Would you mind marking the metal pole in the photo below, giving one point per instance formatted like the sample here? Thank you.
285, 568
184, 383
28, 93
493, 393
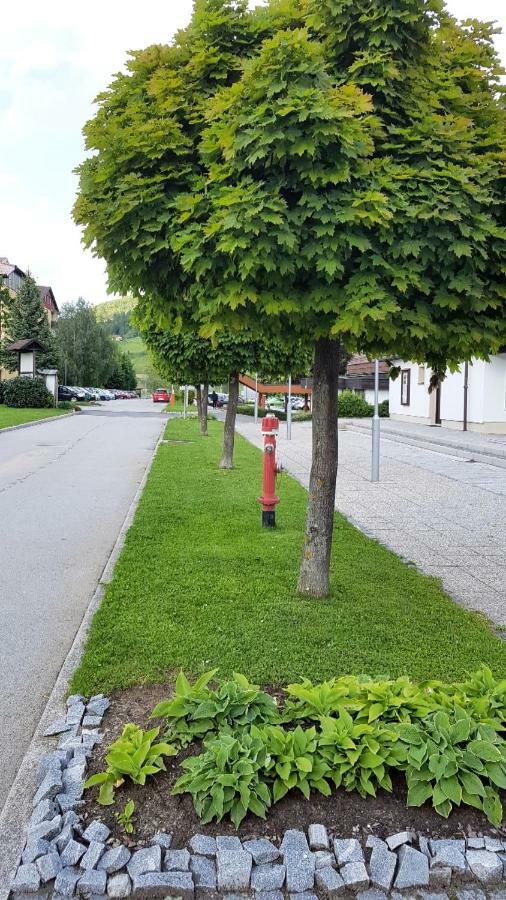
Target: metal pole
289, 411
185, 401
256, 399
466, 388
376, 426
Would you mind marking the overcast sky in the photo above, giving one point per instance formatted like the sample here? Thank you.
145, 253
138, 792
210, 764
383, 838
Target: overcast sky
54, 58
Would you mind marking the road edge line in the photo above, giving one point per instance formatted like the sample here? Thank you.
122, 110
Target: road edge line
18, 804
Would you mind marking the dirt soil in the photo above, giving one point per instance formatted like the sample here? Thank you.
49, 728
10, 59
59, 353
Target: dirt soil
344, 814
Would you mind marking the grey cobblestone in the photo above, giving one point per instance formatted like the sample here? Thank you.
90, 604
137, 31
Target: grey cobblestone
203, 845
92, 882
318, 837
204, 872
27, 879
94, 852
262, 850
329, 882
96, 831
354, 875
119, 886
164, 884
176, 860
147, 860
413, 868
268, 877
48, 866
348, 850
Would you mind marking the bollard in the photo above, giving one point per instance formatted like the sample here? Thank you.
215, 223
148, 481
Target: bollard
269, 500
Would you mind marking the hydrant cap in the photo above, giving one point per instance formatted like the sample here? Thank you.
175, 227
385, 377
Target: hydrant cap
270, 424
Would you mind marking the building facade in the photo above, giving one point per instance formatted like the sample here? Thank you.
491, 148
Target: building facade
11, 278
474, 397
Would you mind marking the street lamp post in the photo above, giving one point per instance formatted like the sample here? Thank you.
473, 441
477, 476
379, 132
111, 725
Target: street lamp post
289, 411
376, 426
185, 401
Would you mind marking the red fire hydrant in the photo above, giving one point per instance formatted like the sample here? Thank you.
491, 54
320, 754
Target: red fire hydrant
269, 500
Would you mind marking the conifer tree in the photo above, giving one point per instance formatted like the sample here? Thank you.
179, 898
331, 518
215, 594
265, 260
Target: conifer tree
24, 316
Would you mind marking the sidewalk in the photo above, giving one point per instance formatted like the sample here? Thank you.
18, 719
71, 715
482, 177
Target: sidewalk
431, 506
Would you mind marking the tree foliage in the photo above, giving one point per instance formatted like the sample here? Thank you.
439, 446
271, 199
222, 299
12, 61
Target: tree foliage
331, 168
24, 316
88, 353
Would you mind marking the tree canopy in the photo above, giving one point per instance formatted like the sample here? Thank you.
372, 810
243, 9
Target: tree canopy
329, 167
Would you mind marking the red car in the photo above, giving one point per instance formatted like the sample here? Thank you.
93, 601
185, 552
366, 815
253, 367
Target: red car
161, 395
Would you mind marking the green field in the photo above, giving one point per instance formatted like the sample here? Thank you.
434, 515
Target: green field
199, 584
10, 416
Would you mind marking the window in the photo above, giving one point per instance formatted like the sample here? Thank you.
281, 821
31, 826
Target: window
421, 374
405, 386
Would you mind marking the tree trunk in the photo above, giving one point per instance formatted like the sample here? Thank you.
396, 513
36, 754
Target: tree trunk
315, 563
229, 431
203, 391
198, 397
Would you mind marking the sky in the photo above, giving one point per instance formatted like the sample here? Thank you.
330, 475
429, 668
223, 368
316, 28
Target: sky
55, 57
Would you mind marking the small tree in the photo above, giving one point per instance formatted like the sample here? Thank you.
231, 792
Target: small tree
24, 316
329, 169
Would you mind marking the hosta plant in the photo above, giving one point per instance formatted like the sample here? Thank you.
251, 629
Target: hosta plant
454, 759
482, 696
227, 778
134, 755
195, 710
360, 754
311, 701
393, 701
125, 818
293, 761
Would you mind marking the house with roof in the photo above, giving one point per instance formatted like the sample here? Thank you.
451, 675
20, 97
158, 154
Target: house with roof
12, 277
473, 398
359, 378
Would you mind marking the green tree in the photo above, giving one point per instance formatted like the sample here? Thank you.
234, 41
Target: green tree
322, 168
89, 355
24, 316
186, 357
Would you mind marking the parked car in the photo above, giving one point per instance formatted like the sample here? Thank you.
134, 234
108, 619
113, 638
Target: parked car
95, 393
79, 392
66, 393
160, 395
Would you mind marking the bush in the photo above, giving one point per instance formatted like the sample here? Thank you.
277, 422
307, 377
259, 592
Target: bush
353, 406
25, 392
245, 409
2, 386
384, 409
348, 733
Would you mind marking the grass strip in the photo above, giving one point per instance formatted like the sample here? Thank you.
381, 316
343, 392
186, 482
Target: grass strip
199, 584
10, 416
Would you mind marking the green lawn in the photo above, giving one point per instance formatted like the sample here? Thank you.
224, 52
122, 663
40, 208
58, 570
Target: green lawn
9, 416
199, 584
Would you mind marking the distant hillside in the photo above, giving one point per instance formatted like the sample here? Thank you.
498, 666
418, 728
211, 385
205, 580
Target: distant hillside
105, 311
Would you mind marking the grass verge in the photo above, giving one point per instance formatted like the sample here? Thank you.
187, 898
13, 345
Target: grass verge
10, 416
199, 584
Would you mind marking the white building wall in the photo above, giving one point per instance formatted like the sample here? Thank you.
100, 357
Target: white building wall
486, 399
418, 409
369, 395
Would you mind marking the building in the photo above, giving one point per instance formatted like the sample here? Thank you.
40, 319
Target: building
49, 303
11, 277
359, 378
472, 398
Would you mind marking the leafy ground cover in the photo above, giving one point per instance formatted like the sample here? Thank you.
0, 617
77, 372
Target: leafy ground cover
199, 585
10, 416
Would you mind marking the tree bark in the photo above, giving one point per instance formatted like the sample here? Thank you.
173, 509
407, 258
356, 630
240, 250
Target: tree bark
203, 391
227, 459
315, 563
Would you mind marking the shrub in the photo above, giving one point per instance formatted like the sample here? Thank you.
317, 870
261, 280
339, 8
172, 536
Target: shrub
453, 759
353, 406
136, 755
226, 779
384, 409
66, 404
25, 392
245, 409
293, 761
195, 710
2, 386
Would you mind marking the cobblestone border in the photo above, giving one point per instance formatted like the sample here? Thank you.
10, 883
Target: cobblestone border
63, 857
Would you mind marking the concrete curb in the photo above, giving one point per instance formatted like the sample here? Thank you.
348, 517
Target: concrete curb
448, 448
68, 415
18, 805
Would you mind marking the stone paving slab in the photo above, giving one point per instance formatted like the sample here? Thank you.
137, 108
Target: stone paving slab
432, 508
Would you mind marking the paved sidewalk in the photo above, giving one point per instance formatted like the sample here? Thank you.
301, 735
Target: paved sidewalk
446, 515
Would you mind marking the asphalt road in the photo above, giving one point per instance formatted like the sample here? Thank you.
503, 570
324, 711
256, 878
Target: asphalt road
65, 489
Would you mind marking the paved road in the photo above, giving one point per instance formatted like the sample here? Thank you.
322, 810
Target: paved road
65, 488
436, 509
